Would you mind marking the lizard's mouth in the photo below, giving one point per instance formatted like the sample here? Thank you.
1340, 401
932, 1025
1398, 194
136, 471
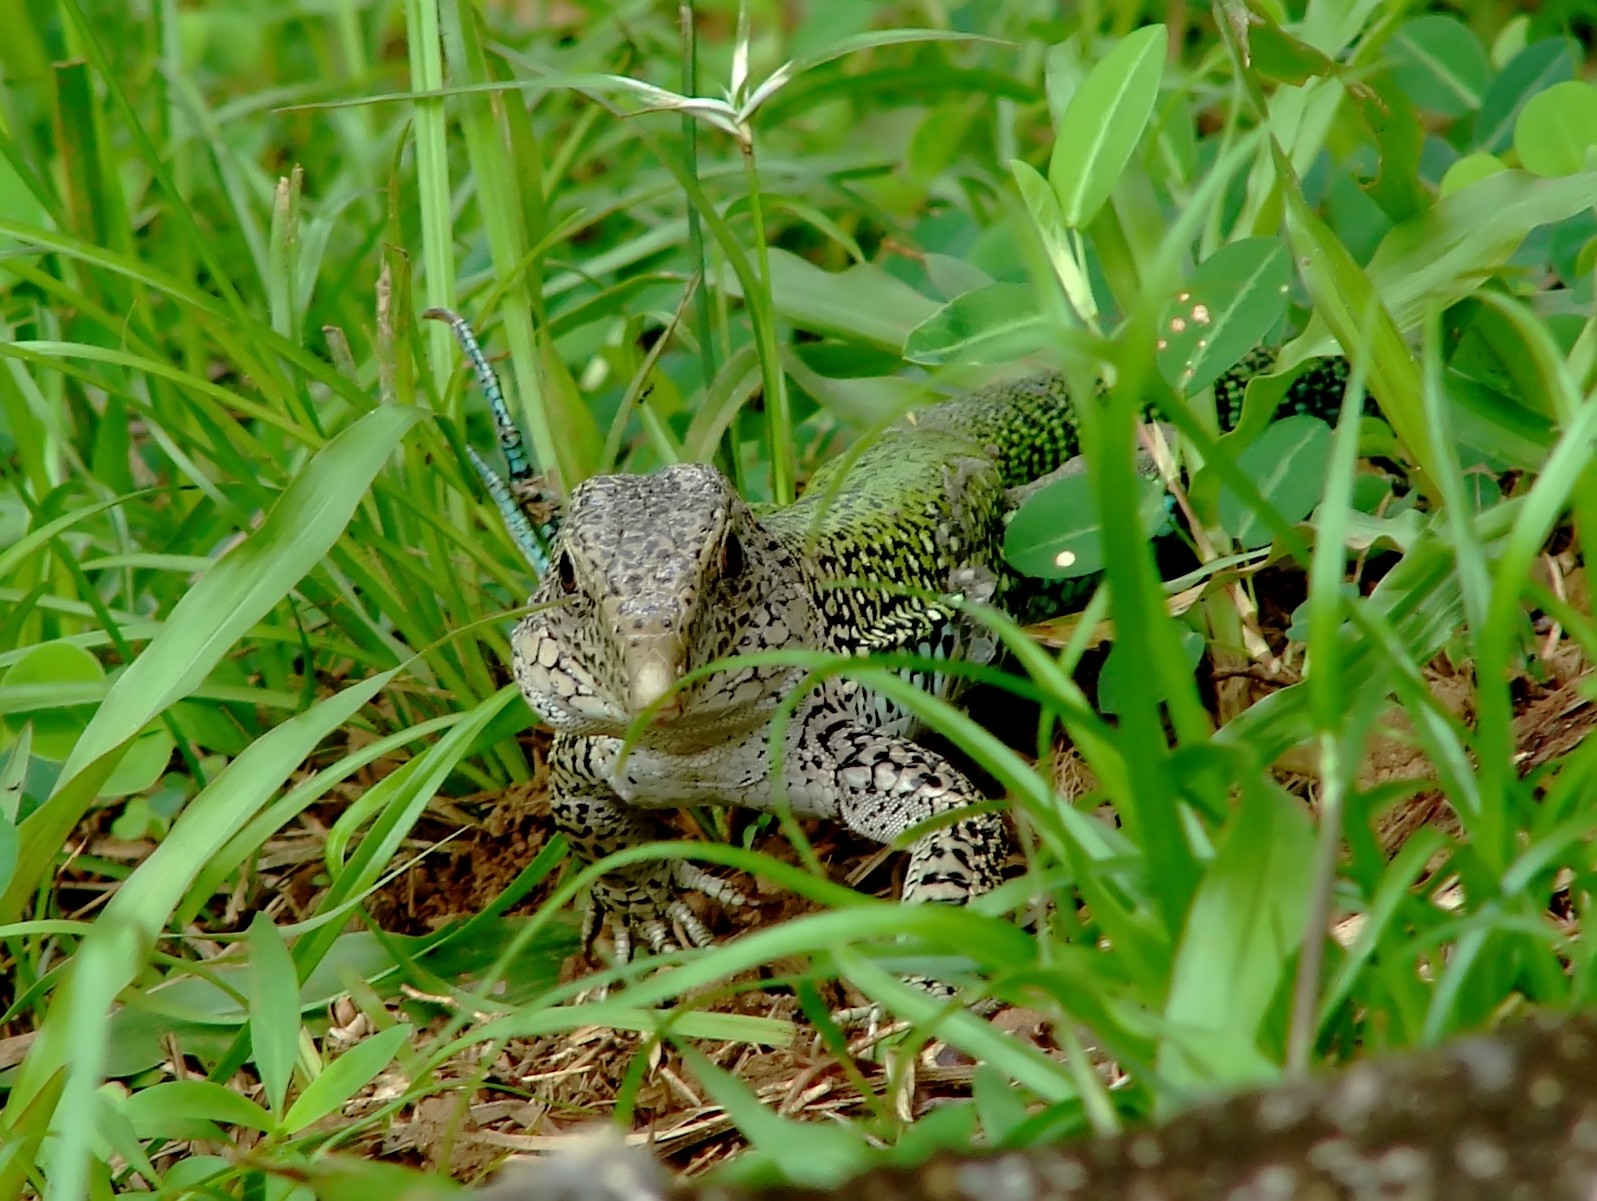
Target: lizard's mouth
653, 690
667, 711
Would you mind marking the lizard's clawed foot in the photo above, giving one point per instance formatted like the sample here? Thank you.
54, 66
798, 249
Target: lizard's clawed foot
649, 904
874, 1020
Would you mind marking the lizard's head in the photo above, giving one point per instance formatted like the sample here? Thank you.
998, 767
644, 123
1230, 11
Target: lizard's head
652, 577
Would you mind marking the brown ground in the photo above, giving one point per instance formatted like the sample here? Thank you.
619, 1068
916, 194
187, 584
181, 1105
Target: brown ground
537, 1089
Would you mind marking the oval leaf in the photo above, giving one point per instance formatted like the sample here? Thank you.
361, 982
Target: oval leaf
1532, 71
1557, 129
9, 843
1236, 295
1288, 462
1047, 220
138, 770
861, 304
48, 671
1468, 170
160, 1106
1056, 533
997, 323
1103, 122
1440, 64
1115, 690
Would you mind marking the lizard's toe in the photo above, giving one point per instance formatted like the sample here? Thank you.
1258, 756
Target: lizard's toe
689, 921
647, 908
690, 875
592, 923
659, 935
621, 940
871, 1017
859, 1017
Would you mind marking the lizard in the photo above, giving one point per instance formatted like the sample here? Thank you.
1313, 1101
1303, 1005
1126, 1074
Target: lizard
648, 580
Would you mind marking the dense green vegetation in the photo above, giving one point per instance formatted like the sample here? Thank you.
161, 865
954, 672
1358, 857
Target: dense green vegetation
253, 598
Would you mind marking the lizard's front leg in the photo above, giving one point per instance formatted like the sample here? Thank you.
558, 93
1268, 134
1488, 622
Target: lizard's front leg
643, 898
886, 786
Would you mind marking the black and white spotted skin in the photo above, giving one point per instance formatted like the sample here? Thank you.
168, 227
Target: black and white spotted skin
656, 577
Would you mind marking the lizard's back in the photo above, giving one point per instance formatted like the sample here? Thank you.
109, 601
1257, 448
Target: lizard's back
925, 500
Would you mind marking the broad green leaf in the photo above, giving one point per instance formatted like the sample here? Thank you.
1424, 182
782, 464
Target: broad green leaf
863, 402
1447, 252
344, 1077
1063, 72
863, 303
997, 323
146, 759
1511, 39
9, 844
1056, 533
1233, 299
1240, 936
1278, 55
1557, 129
153, 1110
14, 775
42, 670
951, 276
1468, 170
1440, 64
1439, 257
1532, 71
1103, 122
274, 1010
1288, 461
1049, 223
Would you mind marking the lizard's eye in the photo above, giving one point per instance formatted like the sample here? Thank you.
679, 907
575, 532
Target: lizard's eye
731, 557
567, 573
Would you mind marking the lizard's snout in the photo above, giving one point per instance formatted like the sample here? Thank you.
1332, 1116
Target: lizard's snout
653, 659
651, 679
